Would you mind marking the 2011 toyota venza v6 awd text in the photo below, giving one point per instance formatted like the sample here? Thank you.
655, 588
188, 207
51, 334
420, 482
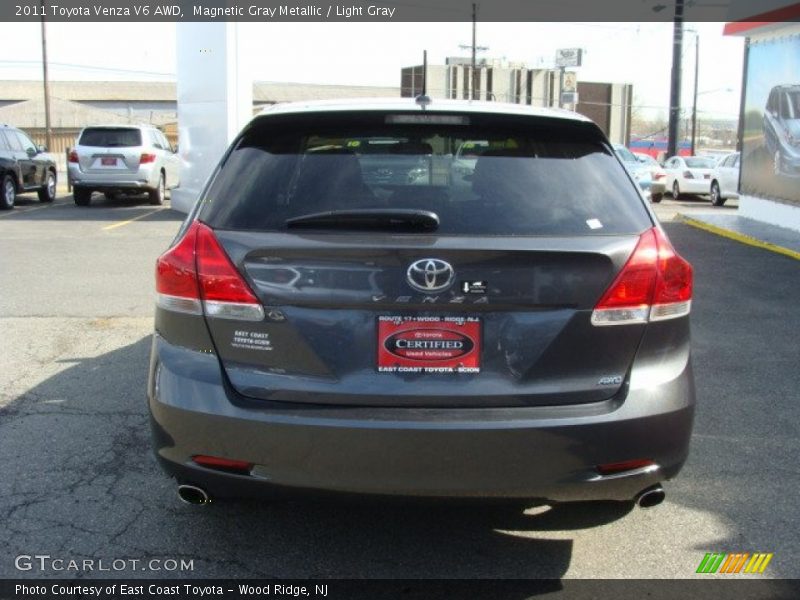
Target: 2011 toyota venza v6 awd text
344, 311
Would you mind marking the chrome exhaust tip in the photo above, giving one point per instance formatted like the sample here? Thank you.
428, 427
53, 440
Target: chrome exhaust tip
191, 494
651, 497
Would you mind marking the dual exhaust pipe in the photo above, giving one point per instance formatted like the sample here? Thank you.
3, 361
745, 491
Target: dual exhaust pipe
191, 494
652, 496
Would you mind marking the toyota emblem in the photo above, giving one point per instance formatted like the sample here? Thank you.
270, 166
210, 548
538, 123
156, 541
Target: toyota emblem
430, 275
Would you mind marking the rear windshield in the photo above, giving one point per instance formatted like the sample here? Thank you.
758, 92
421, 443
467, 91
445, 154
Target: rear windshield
483, 175
111, 137
700, 163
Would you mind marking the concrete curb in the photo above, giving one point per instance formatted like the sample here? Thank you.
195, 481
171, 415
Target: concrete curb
739, 237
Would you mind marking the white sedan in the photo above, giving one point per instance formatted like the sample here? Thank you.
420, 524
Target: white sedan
725, 179
689, 175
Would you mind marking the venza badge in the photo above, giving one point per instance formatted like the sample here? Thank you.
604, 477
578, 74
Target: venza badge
430, 275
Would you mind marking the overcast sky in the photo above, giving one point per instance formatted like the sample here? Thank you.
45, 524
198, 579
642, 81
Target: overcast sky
373, 53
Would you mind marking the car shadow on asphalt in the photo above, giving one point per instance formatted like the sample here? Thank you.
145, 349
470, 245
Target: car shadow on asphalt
80, 480
100, 209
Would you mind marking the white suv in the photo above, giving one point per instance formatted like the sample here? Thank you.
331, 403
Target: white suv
126, 159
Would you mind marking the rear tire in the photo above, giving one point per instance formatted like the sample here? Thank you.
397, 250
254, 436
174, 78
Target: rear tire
48, 192
676, 190
8, 193
158, 194
81, 196
716, 195
656, 198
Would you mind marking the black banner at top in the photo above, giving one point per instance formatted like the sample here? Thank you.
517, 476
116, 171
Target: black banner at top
712, 588
393, 11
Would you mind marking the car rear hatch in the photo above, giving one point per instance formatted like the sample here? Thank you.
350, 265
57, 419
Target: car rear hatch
477, 291
110, 150
700, 168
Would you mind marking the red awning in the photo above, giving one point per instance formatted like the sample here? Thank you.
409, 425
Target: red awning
751, 24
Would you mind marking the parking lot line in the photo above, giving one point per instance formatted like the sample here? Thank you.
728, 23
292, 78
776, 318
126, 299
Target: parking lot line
19, 211
121, 223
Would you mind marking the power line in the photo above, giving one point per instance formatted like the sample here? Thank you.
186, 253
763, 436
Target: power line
24, 63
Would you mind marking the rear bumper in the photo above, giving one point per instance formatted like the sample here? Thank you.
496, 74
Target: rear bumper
695, 186
141, 180
658, 187
547, 453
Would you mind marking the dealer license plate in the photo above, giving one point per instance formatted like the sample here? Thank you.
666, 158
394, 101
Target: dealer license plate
429, 344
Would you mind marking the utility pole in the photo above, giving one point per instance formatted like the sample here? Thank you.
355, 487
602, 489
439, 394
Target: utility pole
475, 79
474, 50
694, 102
46, 80
675, 87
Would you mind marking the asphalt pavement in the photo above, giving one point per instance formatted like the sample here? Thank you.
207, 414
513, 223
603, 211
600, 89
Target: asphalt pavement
78, 480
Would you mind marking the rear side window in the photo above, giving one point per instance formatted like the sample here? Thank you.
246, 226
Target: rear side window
481, 174
111, 137
13, 141
24, 141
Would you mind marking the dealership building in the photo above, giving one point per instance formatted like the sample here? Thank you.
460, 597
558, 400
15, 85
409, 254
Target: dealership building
607, 104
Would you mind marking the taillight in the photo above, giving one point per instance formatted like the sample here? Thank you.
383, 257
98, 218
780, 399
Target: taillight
223, 464
225, 293
73, 156
659, 175
146, 157
176, 276
688, 175
196, 275
655, 284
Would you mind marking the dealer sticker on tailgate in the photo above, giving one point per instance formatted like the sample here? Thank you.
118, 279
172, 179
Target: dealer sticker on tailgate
429, 344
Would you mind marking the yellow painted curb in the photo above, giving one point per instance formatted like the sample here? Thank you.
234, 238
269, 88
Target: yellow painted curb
739, 237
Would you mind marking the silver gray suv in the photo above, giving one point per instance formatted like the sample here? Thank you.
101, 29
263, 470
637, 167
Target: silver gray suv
115, 160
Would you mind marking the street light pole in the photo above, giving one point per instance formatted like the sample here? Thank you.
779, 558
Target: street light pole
694, 103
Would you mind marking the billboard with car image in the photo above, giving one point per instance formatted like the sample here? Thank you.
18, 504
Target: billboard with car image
771, 132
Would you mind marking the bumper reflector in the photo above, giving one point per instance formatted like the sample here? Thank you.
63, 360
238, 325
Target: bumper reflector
223, 464
621, 467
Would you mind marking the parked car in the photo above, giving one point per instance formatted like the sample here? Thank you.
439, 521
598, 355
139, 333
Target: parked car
24, 167
725, 179
658, 176
115, 160
526, 336
639, 172
688, 175
782, 129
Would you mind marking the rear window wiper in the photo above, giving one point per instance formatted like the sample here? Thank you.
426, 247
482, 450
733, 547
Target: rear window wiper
388, 219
